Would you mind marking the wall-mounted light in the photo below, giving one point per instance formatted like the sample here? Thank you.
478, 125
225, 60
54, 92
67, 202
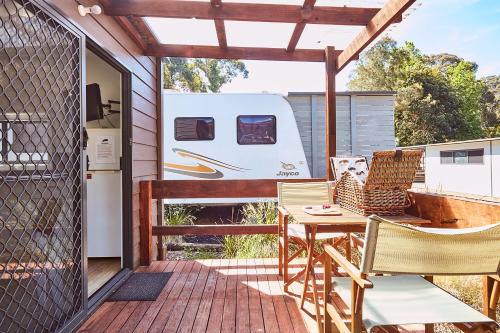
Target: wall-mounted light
95, 9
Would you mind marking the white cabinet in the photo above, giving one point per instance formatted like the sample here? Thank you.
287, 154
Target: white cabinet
104, 213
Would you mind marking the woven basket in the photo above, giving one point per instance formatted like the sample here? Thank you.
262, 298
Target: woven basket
390, 175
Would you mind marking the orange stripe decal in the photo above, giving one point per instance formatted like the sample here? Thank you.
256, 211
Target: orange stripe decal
192, 168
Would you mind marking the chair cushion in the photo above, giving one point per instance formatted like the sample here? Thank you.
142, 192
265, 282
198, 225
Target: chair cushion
299, 231
408, 299
358, 165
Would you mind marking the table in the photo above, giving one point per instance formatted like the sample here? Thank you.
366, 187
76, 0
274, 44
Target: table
347, 222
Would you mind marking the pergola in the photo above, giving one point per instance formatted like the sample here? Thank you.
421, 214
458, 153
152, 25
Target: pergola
373, 21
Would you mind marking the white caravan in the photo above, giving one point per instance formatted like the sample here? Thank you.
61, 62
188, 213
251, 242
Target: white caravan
230, 136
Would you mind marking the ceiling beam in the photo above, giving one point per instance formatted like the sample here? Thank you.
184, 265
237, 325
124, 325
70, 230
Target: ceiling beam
241, 53
392, 11
240, 11
220, 28
299, 27
135, 27
131, 31
143, 30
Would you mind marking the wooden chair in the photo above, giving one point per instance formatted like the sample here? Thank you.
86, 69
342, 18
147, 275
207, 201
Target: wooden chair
405, 297
384, 190
313, 193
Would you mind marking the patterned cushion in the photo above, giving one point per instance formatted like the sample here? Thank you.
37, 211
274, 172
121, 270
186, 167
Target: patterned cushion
356, 164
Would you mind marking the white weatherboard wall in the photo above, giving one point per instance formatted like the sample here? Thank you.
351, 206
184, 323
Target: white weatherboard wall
460, 178
495, 167
365, 123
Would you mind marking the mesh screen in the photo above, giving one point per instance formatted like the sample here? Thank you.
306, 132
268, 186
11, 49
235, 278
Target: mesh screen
41, 286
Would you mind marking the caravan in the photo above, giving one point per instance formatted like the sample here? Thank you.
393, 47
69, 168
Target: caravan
231, 136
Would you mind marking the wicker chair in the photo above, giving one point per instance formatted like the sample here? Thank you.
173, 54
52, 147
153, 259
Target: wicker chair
404, 296
384, 192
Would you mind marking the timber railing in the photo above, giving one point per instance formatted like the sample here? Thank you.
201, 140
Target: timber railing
443, 210
199, 189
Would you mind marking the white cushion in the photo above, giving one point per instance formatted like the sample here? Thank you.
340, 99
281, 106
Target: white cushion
299, 231
407, 299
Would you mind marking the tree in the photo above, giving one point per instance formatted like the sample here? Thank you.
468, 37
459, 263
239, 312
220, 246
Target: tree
469, 94
438, 97
426, 109
491, 101
200, 75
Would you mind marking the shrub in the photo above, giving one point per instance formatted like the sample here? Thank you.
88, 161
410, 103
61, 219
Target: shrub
178, 215
254, 246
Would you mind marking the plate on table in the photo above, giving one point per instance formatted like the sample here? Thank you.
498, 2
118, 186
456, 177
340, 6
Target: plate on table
322, 211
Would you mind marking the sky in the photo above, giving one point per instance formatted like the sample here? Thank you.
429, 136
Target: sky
467, 28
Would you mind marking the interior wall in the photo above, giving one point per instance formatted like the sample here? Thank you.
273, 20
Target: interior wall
109, 35
109, 80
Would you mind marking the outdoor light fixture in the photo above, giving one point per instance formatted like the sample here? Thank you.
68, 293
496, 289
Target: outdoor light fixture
95, 9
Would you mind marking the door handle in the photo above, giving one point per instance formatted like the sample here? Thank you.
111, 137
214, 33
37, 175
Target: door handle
85, 138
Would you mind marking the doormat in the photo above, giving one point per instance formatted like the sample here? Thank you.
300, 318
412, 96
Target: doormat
141, 287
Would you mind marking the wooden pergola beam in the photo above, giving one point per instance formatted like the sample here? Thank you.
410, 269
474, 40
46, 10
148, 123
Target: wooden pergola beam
240, 11
299, 27
242, 53
390, 13
135, 27
131, 31
219, 26
330, 108
144, 31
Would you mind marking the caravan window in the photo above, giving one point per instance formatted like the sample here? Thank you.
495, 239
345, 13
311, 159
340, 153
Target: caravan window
470, 156
256, 130
194, 128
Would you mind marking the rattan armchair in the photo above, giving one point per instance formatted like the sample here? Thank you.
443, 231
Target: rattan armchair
384, 191
402, 296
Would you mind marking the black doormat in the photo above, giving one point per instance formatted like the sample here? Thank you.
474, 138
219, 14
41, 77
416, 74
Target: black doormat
141, 287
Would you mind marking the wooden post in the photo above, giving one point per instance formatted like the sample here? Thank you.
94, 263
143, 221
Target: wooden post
146, 225
330, 106
327, 289
491, 292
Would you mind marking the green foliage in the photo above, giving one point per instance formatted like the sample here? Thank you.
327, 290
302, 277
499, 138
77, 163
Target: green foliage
468, 92
201, 254
491, 100
200, 75
438, 97
254, 246
178, 215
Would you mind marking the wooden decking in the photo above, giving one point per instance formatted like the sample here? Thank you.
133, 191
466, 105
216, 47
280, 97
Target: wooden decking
236, 295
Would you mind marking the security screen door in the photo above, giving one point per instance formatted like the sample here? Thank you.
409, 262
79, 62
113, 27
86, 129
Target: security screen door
41, 222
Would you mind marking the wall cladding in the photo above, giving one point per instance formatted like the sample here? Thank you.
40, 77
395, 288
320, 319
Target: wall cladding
365, 123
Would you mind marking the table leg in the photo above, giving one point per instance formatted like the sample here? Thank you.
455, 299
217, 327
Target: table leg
308, 264
311, 238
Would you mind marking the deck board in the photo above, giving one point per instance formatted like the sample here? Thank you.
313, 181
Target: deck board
154, 309
219, 295
242, 310
186, 275
203, 313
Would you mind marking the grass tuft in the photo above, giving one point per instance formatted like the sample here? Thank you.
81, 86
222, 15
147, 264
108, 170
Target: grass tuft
254, 246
